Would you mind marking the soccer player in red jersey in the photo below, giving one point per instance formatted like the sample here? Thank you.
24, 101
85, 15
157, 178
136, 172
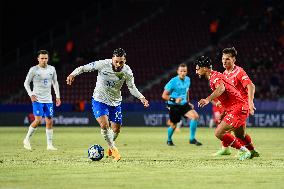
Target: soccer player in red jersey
244, 85
233, 103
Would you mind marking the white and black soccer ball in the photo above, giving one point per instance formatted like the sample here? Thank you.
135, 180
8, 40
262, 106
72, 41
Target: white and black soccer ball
95, 152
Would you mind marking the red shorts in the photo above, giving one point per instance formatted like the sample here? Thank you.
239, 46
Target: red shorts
219, 109
236, 117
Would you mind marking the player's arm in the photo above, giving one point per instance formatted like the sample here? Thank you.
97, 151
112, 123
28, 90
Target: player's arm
166, 96
56, 88
86, 68
167, 93
134, 91
27, 86
247, 83
251, 91
188, 100
216, 93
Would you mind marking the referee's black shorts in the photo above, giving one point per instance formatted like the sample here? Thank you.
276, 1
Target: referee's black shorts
177, 111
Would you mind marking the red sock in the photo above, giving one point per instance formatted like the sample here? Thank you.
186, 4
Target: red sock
241, 141
230, 140
248, 142
225, 144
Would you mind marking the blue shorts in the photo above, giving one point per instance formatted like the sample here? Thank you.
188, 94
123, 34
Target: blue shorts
43, 109
113, 112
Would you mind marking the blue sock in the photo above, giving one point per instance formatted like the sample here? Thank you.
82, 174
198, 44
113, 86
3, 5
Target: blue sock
170, 133
193, 126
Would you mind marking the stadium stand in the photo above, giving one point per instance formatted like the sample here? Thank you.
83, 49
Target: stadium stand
157, 38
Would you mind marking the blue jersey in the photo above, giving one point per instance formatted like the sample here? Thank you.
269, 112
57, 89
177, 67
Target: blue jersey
178, 88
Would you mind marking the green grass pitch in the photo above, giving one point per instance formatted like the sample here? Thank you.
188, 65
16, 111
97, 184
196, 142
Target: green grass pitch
147, 162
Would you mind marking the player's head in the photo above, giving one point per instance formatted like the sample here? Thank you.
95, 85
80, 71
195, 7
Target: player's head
203, 66
42, 57
229, 57
118, 59
182, 71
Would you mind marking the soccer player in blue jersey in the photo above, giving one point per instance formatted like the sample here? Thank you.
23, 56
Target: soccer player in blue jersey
43, 77
177, 97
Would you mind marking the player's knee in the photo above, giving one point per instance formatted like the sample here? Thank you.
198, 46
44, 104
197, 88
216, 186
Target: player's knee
116, 130
37, 122
49, 122
103, 125
218, 133
196, 117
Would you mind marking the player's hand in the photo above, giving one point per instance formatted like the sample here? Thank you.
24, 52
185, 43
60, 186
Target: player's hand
191, 105
144, 102
218, 103
178, 100
33, 98
58, 102
203, 102
70, 79
251, 108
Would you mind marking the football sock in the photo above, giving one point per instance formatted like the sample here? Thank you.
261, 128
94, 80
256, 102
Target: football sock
170, 133
115, 135
107, 134
49, 136
193, 126
225, 145
248, 142
30, 132
230, 140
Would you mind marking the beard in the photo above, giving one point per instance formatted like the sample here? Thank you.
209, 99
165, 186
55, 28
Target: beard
116, 69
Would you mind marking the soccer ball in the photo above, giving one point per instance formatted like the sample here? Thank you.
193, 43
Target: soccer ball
95, 152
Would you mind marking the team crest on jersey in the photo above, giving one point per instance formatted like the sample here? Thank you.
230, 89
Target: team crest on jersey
119, 75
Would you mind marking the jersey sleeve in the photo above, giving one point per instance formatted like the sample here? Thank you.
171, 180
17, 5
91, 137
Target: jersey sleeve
55, 84
97, 65
244, 78
131, 85
169, 86
216, 81
28, 80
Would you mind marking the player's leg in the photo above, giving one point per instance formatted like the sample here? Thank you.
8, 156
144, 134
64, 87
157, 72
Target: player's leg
175, 117
48, 114
101, 112
38, 113
179, 125
193, 116
115, 129
115, 117
49, 133
225, 149
222, 132
107, 133
246, 140
171, 130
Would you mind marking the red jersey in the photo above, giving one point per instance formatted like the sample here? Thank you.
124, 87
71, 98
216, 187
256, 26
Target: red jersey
240, 80
231, 97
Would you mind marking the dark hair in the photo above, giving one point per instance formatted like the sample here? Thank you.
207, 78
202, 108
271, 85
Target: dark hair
119, 52
232, 51
42, 52
182, 65
203, 61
